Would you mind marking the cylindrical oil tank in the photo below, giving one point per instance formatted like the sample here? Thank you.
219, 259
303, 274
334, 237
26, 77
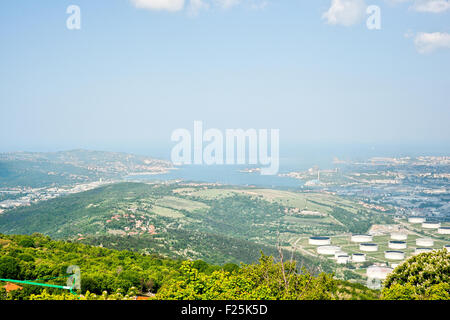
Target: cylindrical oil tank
399, 236
444, 230
319, 241
358, 257
362, 238
396, 244
431, 225
416, 220
424, 242
328, 250
343, 259
368, 247
339, 253
394, 255
422, 250
377, 272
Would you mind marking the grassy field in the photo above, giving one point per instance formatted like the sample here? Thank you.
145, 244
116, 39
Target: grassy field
181, 204
320, 202
167, 212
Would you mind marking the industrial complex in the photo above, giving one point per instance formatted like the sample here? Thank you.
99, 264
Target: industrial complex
374, 256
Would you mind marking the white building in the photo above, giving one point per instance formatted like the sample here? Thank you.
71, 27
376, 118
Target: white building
425, 242
396, 244
339, 253
368, 247
399, 236
416, 220
358, 257
361, 238
431, 225
394, 255
328, 250
444, 230
377, 272
343, 259
422, 250
319, 241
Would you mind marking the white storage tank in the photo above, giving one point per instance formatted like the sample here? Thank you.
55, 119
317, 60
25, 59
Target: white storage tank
339, 253
328, 250
368, 247
424, 242
444, 230
399, 236
319, 241
377, 272
358, 257
431, 225
394, 255
416, 220
396, 244
362, 238
343, 259
422, 250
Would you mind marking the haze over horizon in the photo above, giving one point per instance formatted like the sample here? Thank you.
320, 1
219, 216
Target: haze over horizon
133, 74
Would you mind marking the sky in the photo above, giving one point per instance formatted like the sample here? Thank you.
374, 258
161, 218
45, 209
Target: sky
136, 70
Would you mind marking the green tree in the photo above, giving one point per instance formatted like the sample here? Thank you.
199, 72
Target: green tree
9, 268
27, 243
266, 280
424, 276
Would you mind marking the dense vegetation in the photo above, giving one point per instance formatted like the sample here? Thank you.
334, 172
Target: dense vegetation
112, 274
360, 222
66, 216
213, 248
38, 257
425, 276
267, 280
241, 216
217, 224
226, 229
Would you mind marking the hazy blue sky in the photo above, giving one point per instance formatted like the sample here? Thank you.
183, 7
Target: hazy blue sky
132, 74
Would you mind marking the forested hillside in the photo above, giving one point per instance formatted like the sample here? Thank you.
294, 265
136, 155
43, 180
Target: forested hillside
45, 169
217, 224
113, 274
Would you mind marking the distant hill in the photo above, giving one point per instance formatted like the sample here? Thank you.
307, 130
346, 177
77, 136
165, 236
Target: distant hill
36, 169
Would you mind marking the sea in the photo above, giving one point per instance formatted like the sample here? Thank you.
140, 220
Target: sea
292, 158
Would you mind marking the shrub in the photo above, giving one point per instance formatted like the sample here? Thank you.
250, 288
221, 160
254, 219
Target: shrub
424, 276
